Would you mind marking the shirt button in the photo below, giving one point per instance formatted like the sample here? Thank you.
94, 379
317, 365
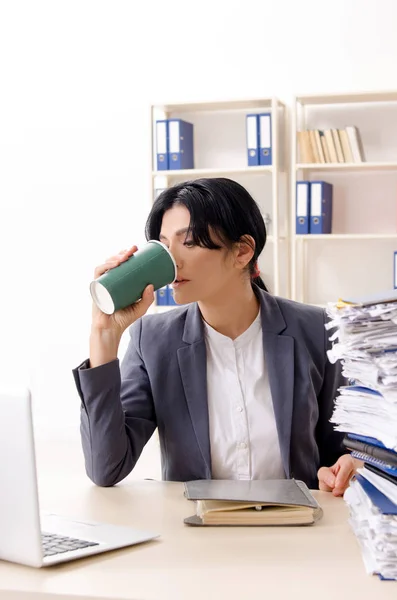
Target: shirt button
239, 409
242, 446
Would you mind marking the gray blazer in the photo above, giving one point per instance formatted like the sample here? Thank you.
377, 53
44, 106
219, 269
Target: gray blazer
162, 383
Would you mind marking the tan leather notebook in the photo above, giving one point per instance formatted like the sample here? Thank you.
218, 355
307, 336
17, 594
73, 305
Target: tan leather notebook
254, 502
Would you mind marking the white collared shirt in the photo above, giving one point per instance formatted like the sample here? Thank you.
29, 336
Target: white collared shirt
243, 435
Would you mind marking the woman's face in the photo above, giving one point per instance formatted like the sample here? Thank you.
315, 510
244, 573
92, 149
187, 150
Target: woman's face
202, 274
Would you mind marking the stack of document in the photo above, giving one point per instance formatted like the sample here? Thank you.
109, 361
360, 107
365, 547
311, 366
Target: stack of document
365, 341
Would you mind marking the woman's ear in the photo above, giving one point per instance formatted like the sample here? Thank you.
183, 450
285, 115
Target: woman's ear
245, 249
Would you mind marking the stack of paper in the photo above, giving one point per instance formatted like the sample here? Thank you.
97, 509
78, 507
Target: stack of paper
365, 341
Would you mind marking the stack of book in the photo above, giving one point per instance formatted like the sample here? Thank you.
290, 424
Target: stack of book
365, 340
331, 146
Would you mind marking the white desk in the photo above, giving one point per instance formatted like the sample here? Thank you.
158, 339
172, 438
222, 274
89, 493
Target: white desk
317, 562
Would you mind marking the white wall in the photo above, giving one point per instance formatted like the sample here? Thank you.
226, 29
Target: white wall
76, 81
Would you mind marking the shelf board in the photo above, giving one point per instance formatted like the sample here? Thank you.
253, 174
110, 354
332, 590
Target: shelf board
213, 172
220, 105
346, 236
354, 97
364, 166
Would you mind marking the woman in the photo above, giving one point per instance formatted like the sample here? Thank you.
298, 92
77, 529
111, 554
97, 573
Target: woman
236, 380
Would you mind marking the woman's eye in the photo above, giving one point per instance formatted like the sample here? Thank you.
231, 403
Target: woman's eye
188, 243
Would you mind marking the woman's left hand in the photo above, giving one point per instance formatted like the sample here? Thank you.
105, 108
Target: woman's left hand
336, 479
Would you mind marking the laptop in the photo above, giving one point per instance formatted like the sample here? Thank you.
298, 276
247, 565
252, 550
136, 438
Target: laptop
28, 537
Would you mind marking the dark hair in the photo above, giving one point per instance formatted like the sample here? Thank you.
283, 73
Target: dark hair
221, 204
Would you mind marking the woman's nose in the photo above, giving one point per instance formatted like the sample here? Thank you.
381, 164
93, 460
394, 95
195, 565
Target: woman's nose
175, 255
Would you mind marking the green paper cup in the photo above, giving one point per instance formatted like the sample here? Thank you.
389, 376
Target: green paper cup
122, 286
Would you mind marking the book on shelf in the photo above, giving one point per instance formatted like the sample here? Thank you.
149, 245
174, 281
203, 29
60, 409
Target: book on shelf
338, 146
356, 144
329, 140
330, 146
327, 155
346, 148
313, 142
305, 147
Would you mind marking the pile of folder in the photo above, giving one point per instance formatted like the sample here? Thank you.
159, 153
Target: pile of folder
365, 341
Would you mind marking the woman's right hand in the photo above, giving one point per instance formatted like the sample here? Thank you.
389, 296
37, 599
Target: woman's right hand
120, 320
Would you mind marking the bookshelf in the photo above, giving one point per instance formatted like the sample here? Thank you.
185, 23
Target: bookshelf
220, 151
357, 256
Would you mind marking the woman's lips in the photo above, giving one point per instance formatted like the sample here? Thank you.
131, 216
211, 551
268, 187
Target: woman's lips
179, 282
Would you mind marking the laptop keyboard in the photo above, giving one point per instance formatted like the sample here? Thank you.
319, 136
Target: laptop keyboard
56, 544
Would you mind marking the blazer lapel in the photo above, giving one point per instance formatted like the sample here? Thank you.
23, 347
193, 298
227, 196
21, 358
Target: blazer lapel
279, 357
192, 361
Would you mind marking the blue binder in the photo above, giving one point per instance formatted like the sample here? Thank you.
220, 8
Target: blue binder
170, 296
265, 138
162, 297
252, 131
320, 207
382, 502
162, 145
302, 207
395, 270
180, 144
375, 462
